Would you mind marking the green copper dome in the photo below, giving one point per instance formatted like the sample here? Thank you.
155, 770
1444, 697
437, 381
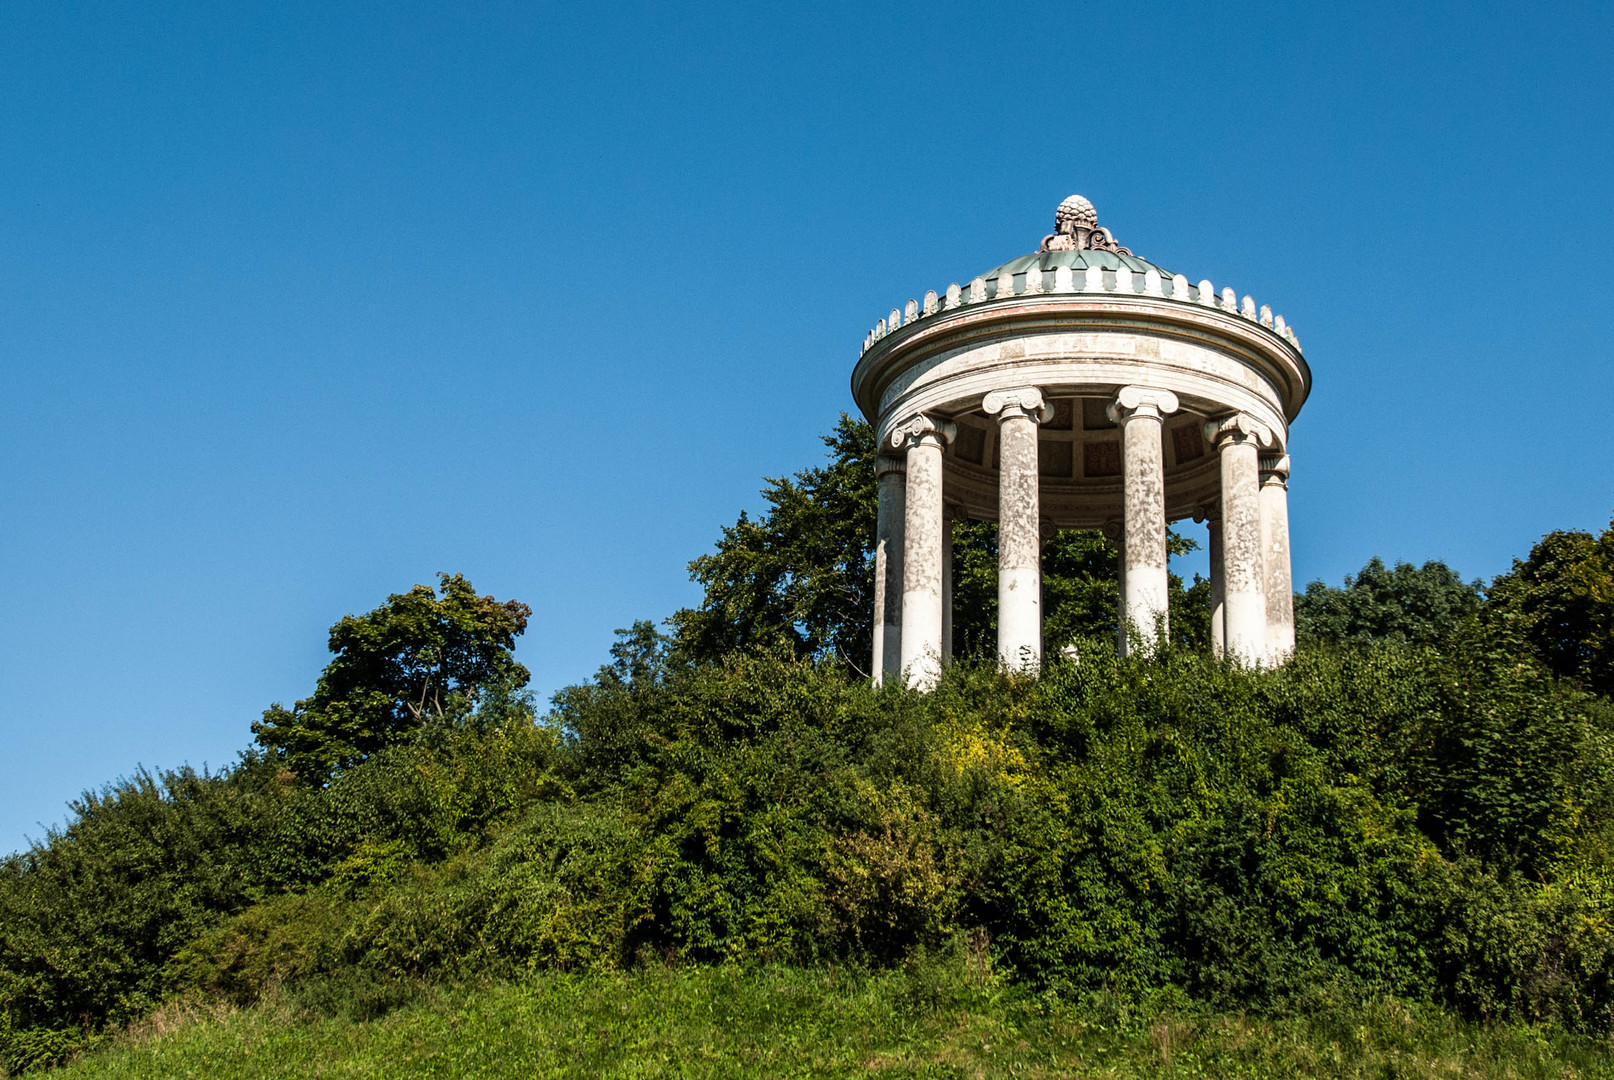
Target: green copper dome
1107, 262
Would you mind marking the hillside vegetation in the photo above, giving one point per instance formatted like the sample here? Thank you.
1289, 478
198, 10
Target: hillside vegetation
1348, 861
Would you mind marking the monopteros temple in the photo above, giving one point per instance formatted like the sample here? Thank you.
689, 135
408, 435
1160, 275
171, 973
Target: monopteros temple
1080, 387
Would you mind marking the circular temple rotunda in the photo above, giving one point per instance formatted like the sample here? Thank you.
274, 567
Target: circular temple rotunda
1080, 387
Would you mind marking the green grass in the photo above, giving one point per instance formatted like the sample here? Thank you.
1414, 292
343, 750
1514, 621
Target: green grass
782, 1022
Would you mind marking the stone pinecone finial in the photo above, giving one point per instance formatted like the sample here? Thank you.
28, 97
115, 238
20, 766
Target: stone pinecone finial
1076, 229
1074, 211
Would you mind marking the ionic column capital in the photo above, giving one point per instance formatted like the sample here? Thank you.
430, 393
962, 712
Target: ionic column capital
888, 465
1274, 469
1141, 401
1238, 428
1208, 512
1021, 401
921, 429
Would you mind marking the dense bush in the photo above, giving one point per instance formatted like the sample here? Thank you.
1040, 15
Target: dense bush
1433, 825
92, 917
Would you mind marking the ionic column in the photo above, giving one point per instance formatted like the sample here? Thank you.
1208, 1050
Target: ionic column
889, 475
1244, 610
1019, 411
1276, 581
1141, 412
923, 439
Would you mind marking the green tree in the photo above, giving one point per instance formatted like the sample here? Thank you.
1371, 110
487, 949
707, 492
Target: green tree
419, 657
1562, 599
1413, 604
641, 657
801, 576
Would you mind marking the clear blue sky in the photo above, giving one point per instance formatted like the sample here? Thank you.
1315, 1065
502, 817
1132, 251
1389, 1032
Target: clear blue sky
302, 303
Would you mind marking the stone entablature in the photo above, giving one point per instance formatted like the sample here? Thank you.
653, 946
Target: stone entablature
1222, 341
1081, 387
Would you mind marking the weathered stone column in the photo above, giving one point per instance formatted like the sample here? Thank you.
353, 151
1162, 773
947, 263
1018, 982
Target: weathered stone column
923, 439
1019, 411
1276, 581
1244, 609
1141, 412
889, 474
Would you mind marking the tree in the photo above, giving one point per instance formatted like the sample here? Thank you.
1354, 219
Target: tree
1562, 599
1414, 604
641, 657
801, 576
418, 658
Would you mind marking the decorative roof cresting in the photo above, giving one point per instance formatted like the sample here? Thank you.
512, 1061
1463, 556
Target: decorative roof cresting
1076, 228
1077, 275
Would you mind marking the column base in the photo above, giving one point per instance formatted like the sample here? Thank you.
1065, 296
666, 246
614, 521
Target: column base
921, 656
1020, 619
1246, 615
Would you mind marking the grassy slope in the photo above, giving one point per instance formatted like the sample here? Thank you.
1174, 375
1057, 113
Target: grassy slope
703, 1022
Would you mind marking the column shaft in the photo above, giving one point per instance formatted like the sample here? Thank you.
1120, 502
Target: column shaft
1141, 412
1276, 580
1244, 603
1143, 494
1019, 526
1019, 547
922, 551
888, 569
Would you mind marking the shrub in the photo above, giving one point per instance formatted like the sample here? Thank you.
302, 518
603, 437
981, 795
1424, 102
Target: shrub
1392, 819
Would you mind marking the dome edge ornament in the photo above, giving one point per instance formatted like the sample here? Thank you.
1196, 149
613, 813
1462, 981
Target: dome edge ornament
1076, 228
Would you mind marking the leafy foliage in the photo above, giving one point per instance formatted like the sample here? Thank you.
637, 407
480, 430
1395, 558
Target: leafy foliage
418, 657
640, 657
92, 918
1430, 824
801, 577
1417, 604
1562, 599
